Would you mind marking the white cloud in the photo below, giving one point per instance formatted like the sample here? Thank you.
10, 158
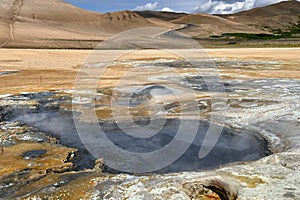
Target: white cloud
148, 6
223, 7
167, 9
205, 6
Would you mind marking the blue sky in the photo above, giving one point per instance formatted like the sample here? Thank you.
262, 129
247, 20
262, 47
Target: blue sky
189, 6
114, 5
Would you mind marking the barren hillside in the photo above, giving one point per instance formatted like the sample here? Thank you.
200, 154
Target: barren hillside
56, 24
281, 16
203, 25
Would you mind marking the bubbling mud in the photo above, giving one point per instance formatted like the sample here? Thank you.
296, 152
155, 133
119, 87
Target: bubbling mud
47, 116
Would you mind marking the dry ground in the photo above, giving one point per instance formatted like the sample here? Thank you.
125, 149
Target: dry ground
41, 70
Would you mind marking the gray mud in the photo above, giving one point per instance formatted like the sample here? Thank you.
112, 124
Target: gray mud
234, 145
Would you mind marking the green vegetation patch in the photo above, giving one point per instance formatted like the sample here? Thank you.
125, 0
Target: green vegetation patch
251, 36
292, 32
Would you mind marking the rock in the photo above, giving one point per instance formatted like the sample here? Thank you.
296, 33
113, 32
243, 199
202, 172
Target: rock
12, 133
99, 164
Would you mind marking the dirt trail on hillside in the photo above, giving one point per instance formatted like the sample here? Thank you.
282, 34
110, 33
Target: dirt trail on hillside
15, 11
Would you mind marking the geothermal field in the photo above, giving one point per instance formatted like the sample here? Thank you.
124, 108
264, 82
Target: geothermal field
148, 104
43, 155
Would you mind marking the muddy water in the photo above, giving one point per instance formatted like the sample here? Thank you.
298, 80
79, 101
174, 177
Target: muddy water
234, 145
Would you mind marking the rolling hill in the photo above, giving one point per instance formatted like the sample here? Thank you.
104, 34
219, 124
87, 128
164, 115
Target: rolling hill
57, 24
282, 15
205, 25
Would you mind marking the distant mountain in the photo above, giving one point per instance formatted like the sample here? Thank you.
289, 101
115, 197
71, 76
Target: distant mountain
283, 16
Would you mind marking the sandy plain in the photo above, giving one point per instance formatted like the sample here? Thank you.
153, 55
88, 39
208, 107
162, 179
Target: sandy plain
29, 70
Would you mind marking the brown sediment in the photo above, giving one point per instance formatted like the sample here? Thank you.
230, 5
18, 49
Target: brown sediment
53, 160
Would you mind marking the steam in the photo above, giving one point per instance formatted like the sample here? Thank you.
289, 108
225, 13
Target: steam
60, 125
230, 147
